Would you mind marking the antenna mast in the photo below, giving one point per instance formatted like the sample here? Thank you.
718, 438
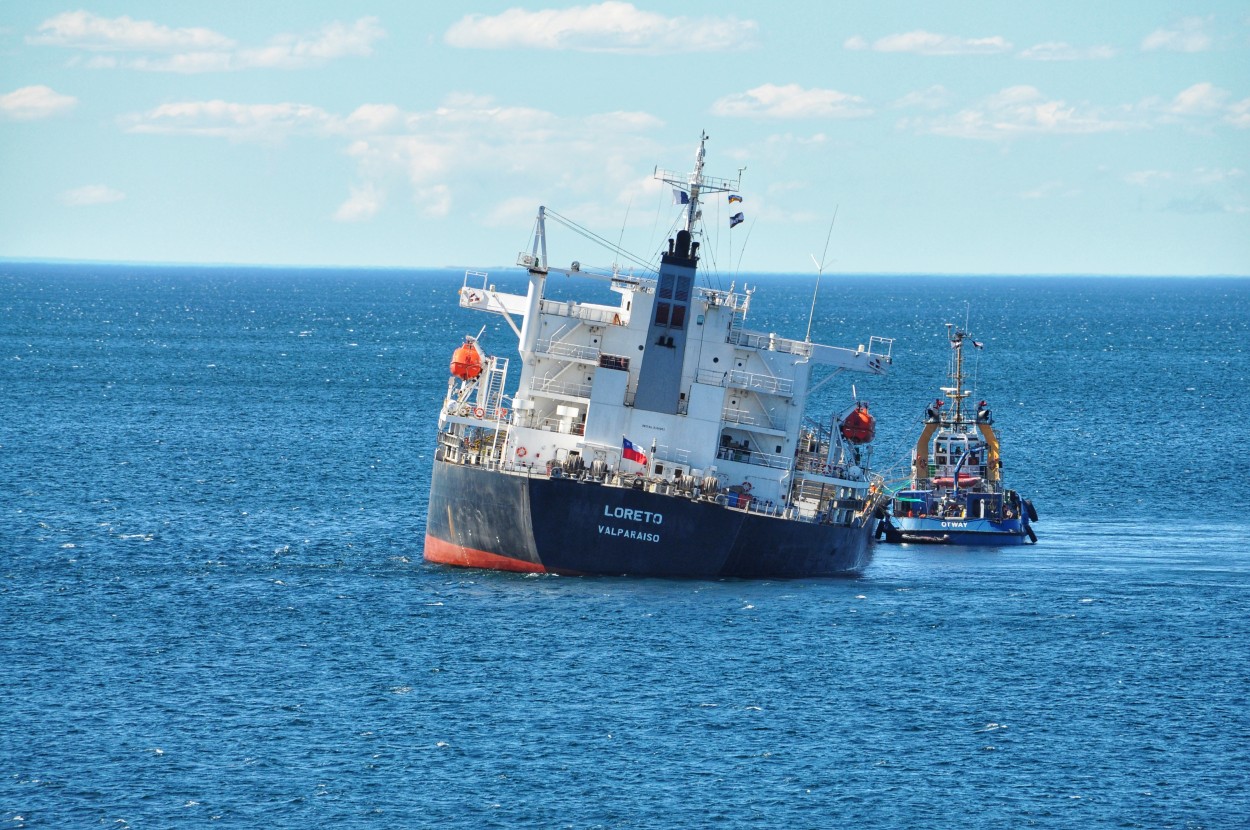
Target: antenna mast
820, 269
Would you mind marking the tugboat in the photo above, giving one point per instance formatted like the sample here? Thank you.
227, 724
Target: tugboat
956, 494
655, 437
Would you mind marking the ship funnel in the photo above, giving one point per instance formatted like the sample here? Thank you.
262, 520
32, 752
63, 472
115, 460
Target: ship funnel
683, 244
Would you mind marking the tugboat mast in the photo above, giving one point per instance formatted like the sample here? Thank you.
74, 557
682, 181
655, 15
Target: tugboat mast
956, 393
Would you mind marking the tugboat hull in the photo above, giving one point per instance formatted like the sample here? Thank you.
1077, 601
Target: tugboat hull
957, 531
486, 518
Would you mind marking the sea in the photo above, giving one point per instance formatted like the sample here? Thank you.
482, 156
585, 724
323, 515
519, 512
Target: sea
214, 609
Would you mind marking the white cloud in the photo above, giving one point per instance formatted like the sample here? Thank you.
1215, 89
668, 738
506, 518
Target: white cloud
1051, 189
929, 43
1239, 114
605, 27
92, 194
1198, 176
1059, 51
791, 101
336, 40
467, 142
157, 48
363, 203
1190, 35
1196, 191
1203, 105
34, 102
1017, 111
84, 30
934, 98
1199, 99
434, 202
237, 122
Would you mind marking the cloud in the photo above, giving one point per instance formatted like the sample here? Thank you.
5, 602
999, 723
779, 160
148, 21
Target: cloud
156, 48
1018, 111
266, 123
1189, 35
1202, 203
84, 30
31, 103
1205, 105
604, 27
1238, 114
362, 204
1059, 51
1197, 191
1050, 189
92, 194
1199, 99
928, 43
934, 98
1198, 176
472, 141
791, 101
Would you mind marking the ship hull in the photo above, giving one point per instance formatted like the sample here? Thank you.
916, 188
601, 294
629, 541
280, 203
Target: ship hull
484, 518
957, 531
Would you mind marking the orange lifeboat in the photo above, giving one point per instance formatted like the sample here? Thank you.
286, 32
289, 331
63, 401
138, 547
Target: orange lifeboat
859, 427
466, 363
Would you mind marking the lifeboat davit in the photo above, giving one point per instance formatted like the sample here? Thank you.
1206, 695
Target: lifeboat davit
466, 363
859, 427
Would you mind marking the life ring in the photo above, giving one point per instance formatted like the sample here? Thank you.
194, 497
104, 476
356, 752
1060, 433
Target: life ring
478, 412
520, 452
501, 413
746, 486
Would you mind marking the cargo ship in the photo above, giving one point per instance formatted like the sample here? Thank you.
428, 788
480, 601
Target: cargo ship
654, 436
956, 494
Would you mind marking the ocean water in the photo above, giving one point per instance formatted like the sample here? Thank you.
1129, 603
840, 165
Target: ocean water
214, 610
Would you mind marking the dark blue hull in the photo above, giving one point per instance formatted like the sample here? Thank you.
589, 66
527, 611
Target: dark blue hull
957, 531
485, 518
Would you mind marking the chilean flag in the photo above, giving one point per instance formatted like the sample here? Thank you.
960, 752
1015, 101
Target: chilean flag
632, 453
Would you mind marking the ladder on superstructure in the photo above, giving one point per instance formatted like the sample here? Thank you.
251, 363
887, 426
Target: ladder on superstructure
492, 388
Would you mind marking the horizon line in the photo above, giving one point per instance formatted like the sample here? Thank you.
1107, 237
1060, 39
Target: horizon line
501, 268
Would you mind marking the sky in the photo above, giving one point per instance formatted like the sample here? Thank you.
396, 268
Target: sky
934, 137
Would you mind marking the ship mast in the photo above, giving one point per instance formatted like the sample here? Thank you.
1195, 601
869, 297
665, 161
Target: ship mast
956, 393
693, 185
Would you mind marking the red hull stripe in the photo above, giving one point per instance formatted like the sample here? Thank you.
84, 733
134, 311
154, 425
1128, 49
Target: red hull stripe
445, 553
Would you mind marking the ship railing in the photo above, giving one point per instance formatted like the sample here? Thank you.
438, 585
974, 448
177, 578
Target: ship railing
562, 425
751, 381
881, 346
839, 511
665, 455
589, 313
759, 459
741, 416
770, 342
819, 467
555, 387
723, 299
560, 349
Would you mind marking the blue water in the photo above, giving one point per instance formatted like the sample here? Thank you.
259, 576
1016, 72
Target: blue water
214, 611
